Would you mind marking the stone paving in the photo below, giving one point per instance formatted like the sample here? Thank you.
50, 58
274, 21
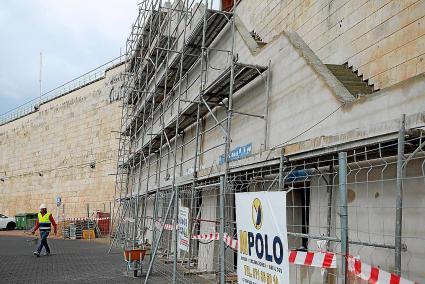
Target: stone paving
72, 261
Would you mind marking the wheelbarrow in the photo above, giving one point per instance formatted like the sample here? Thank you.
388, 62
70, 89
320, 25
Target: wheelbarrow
133, 259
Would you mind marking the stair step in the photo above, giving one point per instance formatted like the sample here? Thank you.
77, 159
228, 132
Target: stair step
343, 72
360, 90
351, 78
355, 83
337, 67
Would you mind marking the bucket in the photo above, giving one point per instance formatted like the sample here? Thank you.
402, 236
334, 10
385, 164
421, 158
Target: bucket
134, 254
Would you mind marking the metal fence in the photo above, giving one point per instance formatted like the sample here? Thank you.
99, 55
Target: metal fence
362, 207
86, 221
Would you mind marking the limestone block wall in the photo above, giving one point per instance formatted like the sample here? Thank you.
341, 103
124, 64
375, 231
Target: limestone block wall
383, 40
49, 153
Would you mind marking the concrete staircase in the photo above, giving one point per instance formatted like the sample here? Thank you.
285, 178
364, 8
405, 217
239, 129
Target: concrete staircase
257, 39
350, 79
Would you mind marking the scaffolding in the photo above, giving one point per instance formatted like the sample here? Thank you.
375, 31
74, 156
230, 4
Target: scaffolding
182, 75
169, 89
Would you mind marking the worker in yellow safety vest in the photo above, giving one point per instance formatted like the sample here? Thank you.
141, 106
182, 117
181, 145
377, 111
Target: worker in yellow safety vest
44, 224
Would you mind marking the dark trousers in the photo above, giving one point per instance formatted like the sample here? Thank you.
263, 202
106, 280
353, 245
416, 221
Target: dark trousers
43, 242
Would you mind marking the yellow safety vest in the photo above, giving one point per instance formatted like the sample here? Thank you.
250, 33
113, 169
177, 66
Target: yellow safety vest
44, 221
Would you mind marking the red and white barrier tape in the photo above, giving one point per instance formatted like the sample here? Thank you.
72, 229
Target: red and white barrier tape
373, 274
364, 271
207, 237
316, 259
232, 243
86, 219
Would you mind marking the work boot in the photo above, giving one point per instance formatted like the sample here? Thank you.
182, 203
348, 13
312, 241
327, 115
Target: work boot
37, 254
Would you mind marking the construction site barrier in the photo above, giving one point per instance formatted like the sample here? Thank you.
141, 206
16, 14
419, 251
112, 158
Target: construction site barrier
373, 274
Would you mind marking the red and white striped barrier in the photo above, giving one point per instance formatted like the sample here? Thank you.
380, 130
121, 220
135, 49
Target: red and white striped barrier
87, 219
364, 271
77, 219
373, 274
315, 259
232, 243
207, 237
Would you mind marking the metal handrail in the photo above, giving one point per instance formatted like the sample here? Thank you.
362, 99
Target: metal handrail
76, 83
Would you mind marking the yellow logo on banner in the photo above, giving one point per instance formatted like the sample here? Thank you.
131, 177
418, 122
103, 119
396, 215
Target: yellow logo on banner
257, 213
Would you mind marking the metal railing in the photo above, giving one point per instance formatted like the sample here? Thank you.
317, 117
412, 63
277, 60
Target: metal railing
76, 83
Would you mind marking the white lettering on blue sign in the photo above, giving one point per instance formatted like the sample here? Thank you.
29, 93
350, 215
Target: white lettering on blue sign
237, 153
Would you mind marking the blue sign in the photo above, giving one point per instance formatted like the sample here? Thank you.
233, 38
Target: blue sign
298, 175
237, 153
58, 201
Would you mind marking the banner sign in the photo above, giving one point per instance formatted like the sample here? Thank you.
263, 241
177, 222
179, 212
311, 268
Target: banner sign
237, 153
183, 228
263, 243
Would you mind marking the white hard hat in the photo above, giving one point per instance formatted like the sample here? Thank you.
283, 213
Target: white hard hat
43, 206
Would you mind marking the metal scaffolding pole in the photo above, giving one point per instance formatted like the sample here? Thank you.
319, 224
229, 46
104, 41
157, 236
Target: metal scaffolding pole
221, 232
155, 248
198, 101
399, 195
343, 213
136, 207
148, 61
329, 186
122, 174
175, 230
227, 137
143, 126
155, 213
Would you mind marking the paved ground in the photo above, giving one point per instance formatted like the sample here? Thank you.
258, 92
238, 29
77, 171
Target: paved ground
71, 261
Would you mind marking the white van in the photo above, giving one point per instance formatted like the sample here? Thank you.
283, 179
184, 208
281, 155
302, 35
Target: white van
7, 223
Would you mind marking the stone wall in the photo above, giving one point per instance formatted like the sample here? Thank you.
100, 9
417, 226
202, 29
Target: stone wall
383, 40
67, 148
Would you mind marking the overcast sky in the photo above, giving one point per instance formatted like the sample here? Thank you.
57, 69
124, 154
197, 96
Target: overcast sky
74, 36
